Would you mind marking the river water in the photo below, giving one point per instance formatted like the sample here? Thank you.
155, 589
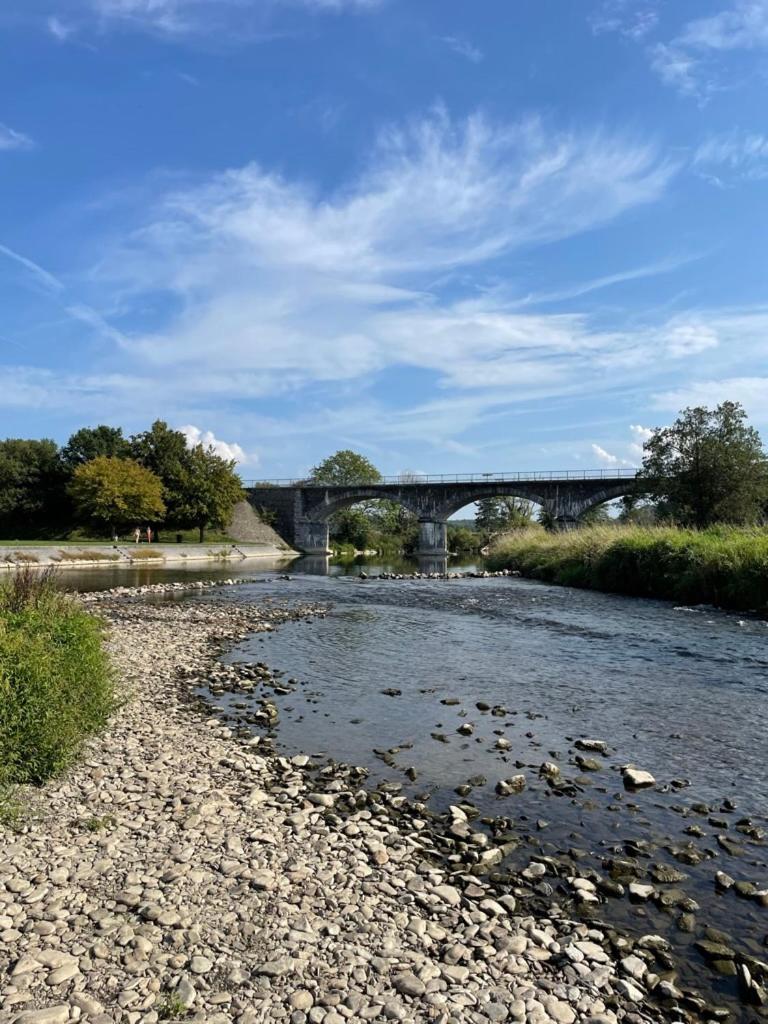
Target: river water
680, 692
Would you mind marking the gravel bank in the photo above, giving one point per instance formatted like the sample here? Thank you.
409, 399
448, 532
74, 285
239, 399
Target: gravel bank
181, 873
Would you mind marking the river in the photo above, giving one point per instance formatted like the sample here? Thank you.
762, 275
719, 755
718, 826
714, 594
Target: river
680, 692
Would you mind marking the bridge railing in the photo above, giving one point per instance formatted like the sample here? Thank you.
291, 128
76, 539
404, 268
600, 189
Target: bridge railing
468, 478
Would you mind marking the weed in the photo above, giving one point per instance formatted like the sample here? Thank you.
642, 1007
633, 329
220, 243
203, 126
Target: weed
99, 824
24, 556
88, 556
170, 1006
140, 554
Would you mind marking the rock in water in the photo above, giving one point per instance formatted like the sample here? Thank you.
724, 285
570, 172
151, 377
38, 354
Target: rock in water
636, 778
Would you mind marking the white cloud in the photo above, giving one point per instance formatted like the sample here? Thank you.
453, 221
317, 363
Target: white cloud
733, 156
626, 17
690, 338
752, 392
207, 439
641, 433
185, 17
11, 139
59, 29
464, 48
688, 62
605, 457
275, 280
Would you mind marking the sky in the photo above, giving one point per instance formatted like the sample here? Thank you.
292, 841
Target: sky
458, 238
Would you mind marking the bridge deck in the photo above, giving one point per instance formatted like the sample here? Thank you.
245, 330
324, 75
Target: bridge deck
464, 478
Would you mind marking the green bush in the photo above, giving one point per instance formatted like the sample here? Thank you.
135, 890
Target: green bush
55, 679
724, 565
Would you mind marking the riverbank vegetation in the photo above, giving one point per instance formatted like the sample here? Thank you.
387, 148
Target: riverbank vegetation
101, 484
55, 679
725, 566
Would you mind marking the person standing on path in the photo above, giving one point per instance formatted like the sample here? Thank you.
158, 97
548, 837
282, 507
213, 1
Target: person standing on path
149, 535
136, 535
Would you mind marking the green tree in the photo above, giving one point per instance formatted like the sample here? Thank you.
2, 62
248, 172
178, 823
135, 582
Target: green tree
708, 467
595, 515
32, 488
210, 490
90, 442
345, 467
164, 451
350, 525
494, 515
116, 493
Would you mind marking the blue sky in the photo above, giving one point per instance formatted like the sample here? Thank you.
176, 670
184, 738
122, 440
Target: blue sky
456, 237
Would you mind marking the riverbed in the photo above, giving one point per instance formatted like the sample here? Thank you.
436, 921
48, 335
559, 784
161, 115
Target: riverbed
388, 678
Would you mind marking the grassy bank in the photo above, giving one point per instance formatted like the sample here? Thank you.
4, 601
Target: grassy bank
723, 566
55, 679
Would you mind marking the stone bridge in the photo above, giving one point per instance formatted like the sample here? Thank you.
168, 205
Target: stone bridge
301, 508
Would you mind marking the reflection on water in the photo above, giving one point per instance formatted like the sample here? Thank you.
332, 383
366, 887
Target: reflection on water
323, 565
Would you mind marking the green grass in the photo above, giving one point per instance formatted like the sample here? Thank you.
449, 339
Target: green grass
55, 679
724, 566
142, 554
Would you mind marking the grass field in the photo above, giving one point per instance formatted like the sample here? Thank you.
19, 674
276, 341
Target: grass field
55, 679
723, 566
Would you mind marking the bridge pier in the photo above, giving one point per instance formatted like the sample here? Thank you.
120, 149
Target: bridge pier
312, 538
433, 537
562, 524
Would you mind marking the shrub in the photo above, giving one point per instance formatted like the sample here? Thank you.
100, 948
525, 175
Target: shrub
55, 679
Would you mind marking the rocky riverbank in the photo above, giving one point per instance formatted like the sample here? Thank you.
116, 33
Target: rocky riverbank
184, 872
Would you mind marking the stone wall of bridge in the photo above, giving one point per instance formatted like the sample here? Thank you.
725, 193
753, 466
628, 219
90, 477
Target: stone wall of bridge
301, 512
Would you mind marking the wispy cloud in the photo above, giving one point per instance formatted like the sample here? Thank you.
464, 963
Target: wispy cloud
688, 62
627, 17
12, 139
60, 29
39, 273
752, 392
731, 157
464, 48
181, 18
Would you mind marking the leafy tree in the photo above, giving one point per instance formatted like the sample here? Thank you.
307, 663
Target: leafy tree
494, 515
116, 493
345, 467
595, 515
350, 525
210, 490
634, 509
164, 451
90, 442
32, 483
708, 467
464, 539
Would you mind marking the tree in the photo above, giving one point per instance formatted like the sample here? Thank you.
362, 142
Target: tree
90, 442
210, 489
164, 451
494, 515
351, 525
708, 467
32, 488
345, 467
116, 493
595, 515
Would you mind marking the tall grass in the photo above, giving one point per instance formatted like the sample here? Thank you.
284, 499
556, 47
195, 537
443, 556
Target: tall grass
55, 678
724, 566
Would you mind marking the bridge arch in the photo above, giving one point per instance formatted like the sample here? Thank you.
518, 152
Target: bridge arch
503, 491
321, 511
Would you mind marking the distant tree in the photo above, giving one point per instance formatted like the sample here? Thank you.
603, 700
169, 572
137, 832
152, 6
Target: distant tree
635, 509
164, 451
464, 539
210, 490
708, 467
350, 525
116, 493
90, 442
345, 467
32, 488
494, 515
595, 515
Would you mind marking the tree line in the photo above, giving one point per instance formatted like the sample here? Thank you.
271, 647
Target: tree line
708, 467
106, 483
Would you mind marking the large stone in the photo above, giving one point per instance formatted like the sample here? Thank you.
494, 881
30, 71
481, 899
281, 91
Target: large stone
409, 985
636, 778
